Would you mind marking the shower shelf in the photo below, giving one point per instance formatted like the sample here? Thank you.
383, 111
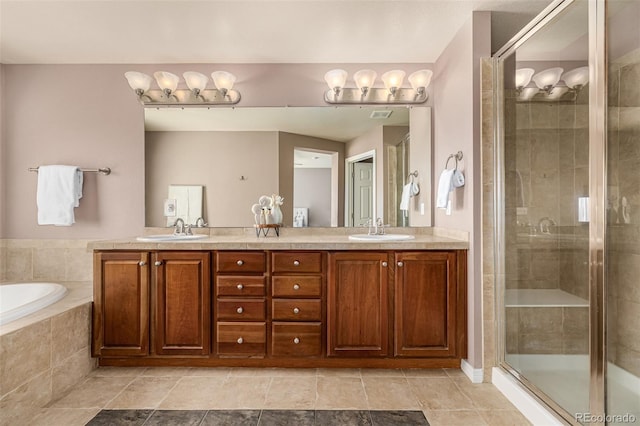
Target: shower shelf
542, 298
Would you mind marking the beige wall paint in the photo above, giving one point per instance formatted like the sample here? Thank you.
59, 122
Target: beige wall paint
2, 159
216, 160
312, 189
420, 152
87, 115
457, 128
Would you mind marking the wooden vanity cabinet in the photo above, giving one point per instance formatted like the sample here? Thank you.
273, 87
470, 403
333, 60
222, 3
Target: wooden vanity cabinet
120, 304
240, 303
430, 308
296, 304
358, 304
182, 300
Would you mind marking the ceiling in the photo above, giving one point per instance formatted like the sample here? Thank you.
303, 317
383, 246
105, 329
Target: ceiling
236, 31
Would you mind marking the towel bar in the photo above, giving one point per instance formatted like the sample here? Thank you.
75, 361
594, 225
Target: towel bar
105, 170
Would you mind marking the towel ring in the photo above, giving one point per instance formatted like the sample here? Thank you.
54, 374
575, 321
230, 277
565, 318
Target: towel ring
457, 156
412, 175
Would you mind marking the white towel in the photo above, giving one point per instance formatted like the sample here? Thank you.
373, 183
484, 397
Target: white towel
406, 195
445, 186
59, 192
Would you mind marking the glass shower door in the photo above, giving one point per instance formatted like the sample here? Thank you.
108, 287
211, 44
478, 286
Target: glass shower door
546, 224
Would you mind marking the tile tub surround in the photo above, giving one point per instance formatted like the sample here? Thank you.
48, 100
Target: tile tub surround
44, 354
445, 396
45, 260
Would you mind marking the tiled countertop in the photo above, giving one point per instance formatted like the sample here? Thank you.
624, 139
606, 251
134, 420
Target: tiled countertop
294, 239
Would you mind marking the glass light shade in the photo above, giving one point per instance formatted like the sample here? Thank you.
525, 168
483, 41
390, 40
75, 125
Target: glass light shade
336, 78
166, 80
196, 82
523, 77
393, 78
420, 79
138, 81
365, 78
576, 77
223, 80
547, 78
528, 93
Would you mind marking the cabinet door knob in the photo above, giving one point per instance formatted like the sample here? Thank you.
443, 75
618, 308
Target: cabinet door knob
240, 262
296, 286
240, 340
240, 310
400, 264
296, 340
384, 264
296, 310
142, 263
296, 263
158, 262
239, 286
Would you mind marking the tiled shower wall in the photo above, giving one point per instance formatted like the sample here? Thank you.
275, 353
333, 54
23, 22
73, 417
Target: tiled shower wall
45, 260
623, 239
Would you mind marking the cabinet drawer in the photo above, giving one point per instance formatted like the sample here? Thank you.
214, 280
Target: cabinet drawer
297, 262
296, 339
241, 261
240, 285
241, 338
296, 286
241, 309
296, 309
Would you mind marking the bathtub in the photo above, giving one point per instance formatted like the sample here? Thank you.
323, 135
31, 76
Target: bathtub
19, 300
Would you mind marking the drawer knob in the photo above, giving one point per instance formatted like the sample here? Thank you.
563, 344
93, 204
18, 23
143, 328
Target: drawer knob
400, 264
239, 286
158, 262
384, 264
296, 310
142, 263
240, 340
240, 262
240, 310
296, 340
296, 286
296, 263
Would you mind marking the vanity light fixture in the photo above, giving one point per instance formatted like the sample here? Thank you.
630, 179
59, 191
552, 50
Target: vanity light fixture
366, 93
550, 84
168, 94
547, 79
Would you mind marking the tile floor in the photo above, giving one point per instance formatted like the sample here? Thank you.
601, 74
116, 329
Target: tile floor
445, 396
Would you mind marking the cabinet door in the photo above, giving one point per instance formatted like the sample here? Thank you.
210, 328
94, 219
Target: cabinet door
357, 304
121, 304
426, 302
182, 322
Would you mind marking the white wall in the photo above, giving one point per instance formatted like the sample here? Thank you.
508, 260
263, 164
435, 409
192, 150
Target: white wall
457, 128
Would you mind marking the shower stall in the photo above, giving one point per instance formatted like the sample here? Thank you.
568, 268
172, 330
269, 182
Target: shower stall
567, 203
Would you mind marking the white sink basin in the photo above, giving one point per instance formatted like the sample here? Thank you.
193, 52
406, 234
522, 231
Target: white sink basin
385, 237
171, 237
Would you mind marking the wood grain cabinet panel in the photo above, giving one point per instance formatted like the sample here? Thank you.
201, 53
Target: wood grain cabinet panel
241, 285
241, 261
296, 309
121, 304
297, 286
357, 304
182, 320
297, 262
240, 309
426, 304
241, 338
296, 339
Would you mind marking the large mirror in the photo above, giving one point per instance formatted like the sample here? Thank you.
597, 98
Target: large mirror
307, 155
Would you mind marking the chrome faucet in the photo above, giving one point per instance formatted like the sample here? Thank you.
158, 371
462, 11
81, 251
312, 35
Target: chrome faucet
200, 223
179, 230
375, 228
